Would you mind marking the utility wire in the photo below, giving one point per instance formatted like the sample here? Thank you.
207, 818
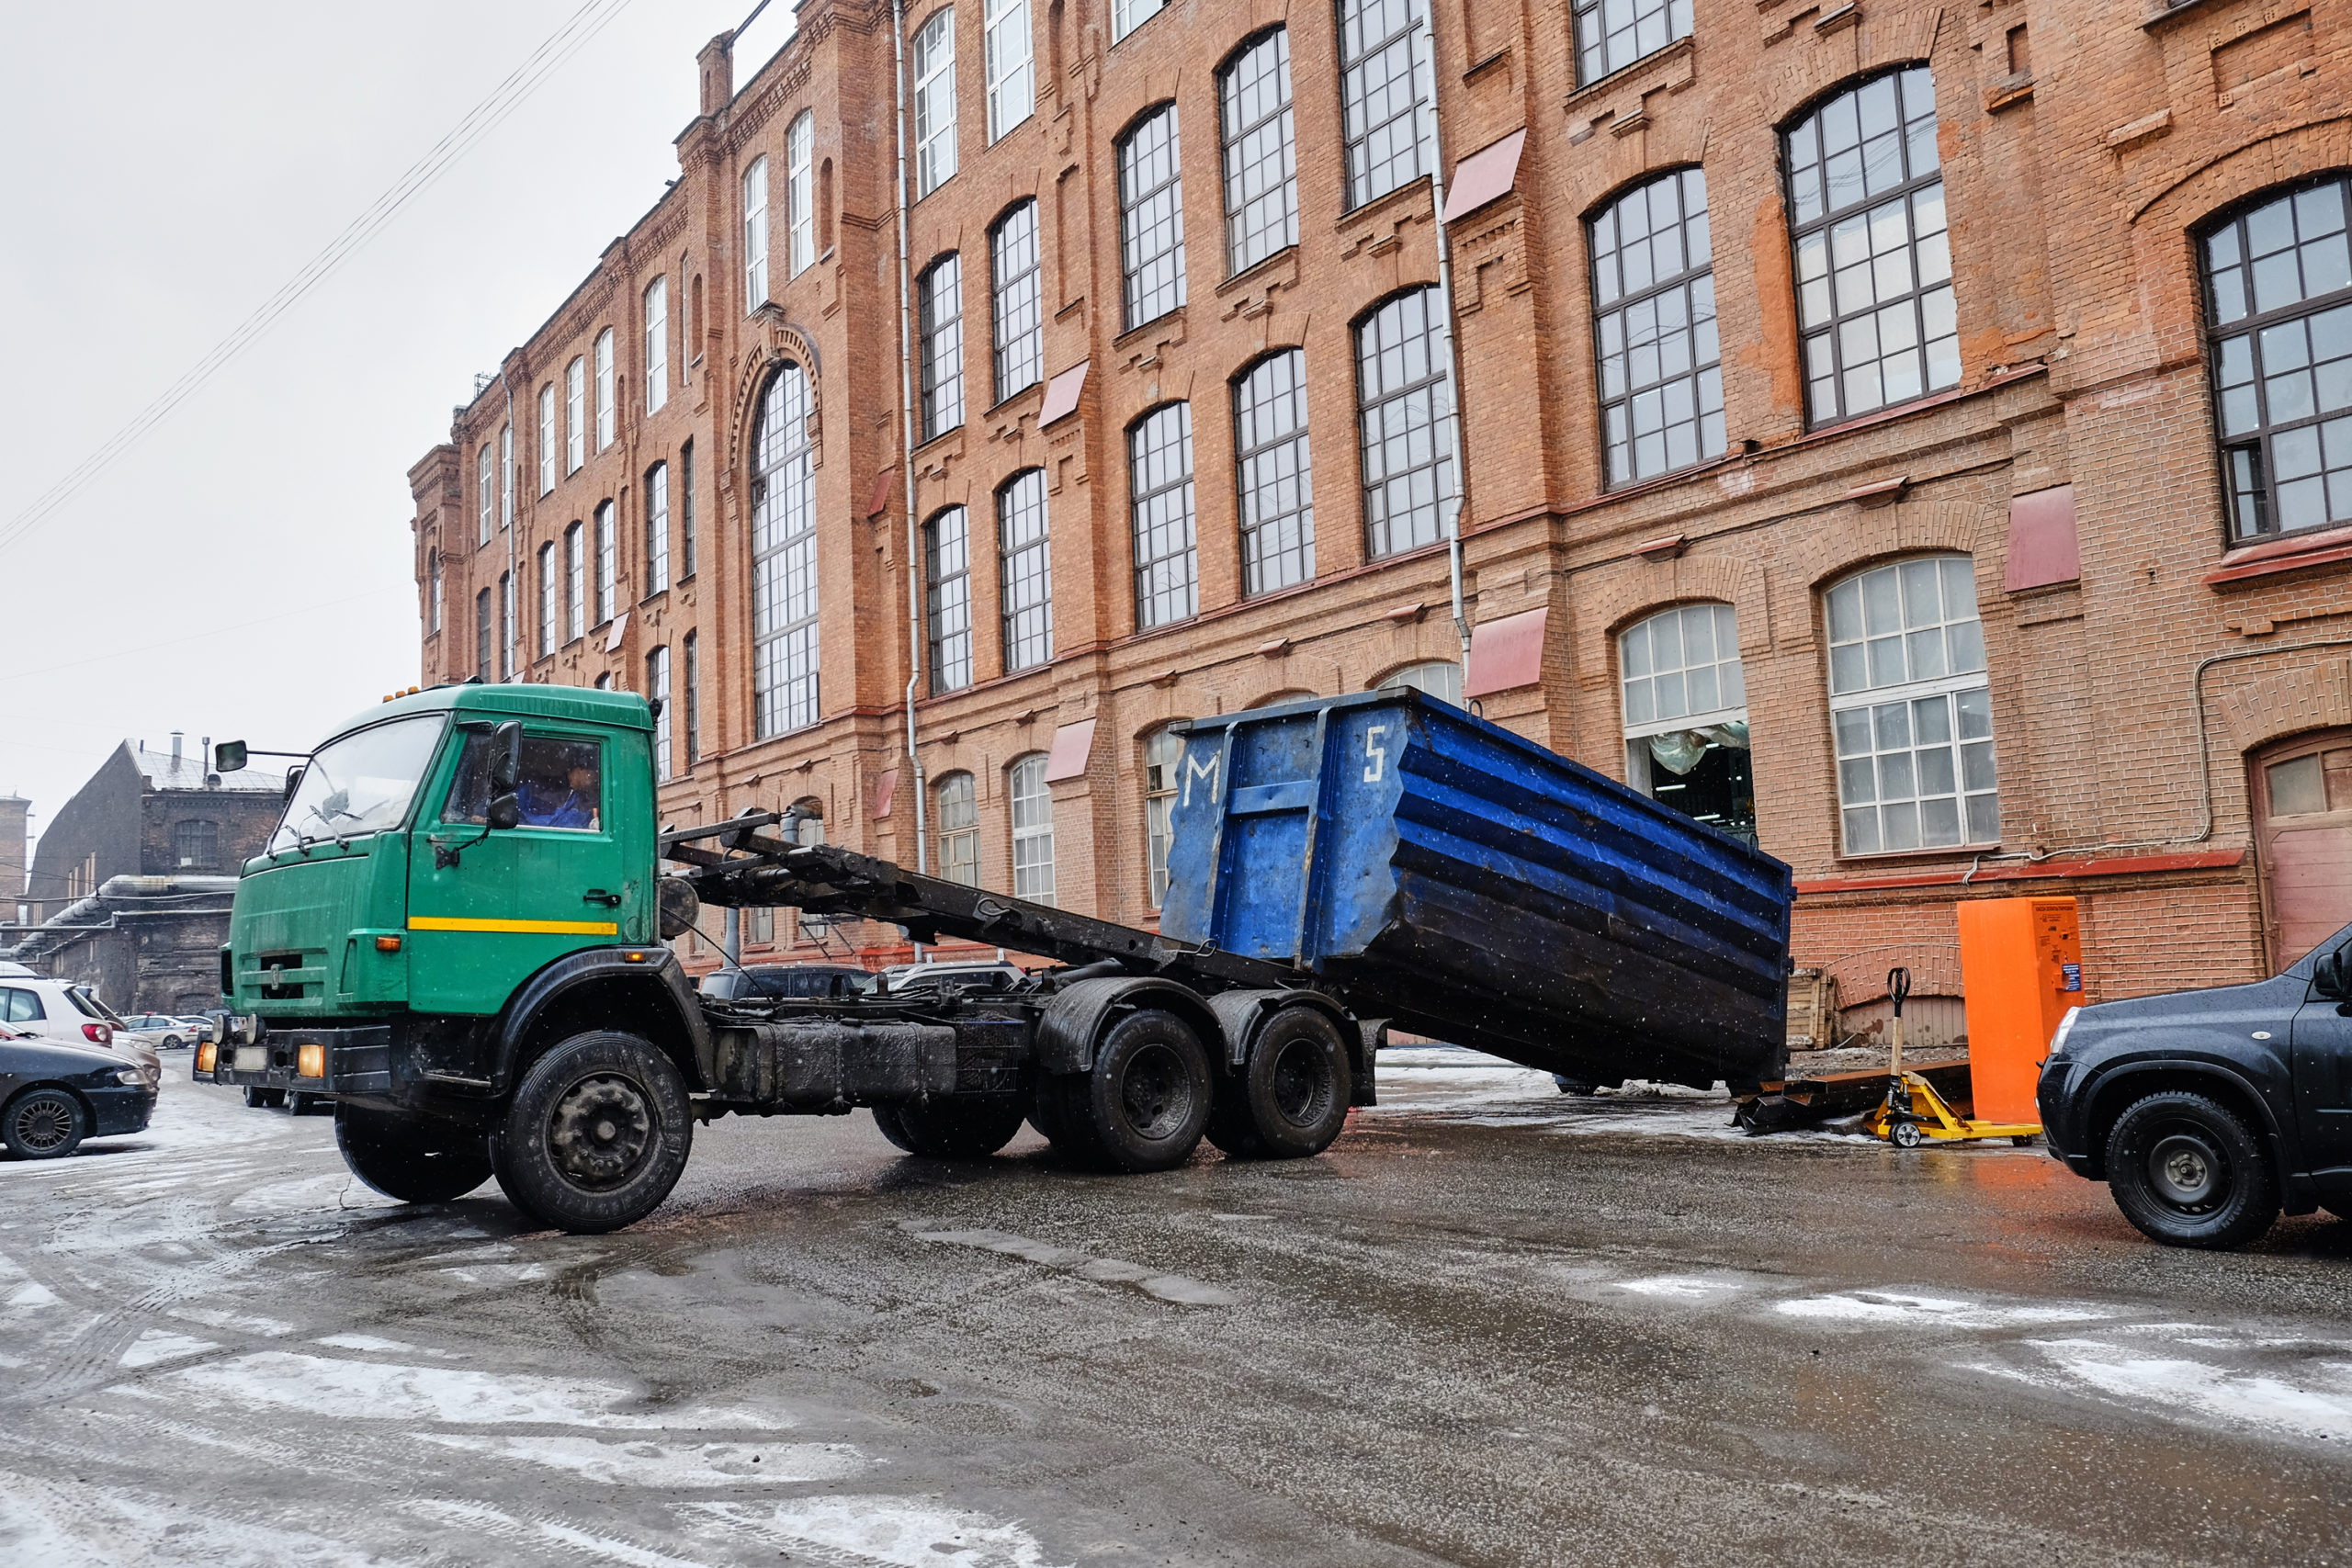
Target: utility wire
560, 45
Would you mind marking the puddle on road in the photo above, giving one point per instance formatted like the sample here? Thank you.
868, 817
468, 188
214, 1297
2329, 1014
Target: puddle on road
648, 1463
1179, 1289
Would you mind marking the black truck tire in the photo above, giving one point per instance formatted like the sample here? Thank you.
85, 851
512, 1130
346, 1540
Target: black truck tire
1054, 1109
2188, 1173
596, 1134
1291, 1099
1146, 1101
43, 1123
965, 1127
413, 1159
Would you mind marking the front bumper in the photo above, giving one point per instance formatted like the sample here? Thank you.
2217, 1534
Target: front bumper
355, 1061
2061, 1131
125, 1108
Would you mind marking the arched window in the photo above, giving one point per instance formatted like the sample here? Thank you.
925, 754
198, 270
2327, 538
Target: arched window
1261, 162
488, 490
1866, 216
607, 564
1126, 16
1654, 317
656, 692
575, 410
482, 634
1908, 703
1405, 402
1033, 829
1024, 564
939, 295
1160, 484
547, 438
1386, 90
799, 196
605, 426
657, 344
693, 700
575, 576
2278, 301
934, 63
1612, 34
755, 235
1151, 217
657, 527
506, 626
548, 593
1015, 290
1012, 88
1163, 751
947, 570
959, 815
1440, 678
505, 476
1685, 711
1277, 488
784, 559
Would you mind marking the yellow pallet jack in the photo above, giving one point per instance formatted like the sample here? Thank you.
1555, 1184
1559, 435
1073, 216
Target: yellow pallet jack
1912, 1113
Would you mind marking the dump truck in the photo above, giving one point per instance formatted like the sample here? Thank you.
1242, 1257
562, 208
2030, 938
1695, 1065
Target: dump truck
457, 933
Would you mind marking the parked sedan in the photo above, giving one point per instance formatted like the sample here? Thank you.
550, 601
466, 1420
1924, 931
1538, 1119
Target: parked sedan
53, 1094
61, 1010
166, 1032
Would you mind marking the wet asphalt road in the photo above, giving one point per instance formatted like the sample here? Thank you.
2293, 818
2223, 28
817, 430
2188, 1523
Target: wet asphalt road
1492, 1326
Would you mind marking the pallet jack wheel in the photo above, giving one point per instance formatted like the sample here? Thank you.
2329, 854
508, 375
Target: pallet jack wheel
1906, 1135
2023, 1140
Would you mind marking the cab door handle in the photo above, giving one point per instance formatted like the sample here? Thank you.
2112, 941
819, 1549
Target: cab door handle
598, 895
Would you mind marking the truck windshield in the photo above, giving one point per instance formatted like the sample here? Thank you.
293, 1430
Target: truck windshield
361, 783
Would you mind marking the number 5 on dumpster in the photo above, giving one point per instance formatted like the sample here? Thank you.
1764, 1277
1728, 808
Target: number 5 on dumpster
1376, 751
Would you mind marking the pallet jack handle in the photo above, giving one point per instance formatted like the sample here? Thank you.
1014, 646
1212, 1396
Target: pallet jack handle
1898, 988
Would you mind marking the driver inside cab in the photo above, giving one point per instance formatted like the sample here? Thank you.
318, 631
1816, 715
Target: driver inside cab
561, 784
571, 804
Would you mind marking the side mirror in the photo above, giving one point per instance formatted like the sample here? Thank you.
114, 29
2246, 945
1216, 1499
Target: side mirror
506, 811
293, 780
228, 757
506, 765
2327, 975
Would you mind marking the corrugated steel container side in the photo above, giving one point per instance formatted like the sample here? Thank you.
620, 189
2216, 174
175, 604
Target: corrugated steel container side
1469, 884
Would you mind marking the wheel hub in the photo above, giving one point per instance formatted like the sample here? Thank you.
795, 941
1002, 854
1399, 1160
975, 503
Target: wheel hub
1154, 1092
1302, 1088
44, 1126
600, 1131
2186, 1171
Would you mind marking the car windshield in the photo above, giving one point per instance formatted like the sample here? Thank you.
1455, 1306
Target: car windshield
361, 783
91, 1007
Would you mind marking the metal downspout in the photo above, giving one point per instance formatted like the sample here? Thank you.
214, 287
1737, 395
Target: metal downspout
510, 612
907, 448
1427, 66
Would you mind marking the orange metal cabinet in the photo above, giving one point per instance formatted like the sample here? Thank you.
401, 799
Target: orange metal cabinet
2021, 968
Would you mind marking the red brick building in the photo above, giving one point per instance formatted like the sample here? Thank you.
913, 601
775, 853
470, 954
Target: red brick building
1903, 430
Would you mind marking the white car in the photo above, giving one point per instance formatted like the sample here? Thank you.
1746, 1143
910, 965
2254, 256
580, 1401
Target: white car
166, 1032
977, 974
59, 1009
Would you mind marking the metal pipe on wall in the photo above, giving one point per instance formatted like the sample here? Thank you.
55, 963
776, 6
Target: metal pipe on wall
1426, 67
907, 446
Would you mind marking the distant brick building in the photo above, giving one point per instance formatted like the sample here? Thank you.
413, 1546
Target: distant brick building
14, 810
1903, 431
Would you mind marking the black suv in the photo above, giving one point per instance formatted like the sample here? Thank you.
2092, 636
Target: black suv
2207, 1112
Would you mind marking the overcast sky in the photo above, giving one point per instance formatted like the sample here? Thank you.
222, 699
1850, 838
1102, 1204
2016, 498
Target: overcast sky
244, 572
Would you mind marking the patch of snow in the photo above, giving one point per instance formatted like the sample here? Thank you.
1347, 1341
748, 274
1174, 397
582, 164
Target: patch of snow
1895, 1308
2313, 1402
158, 1345
904, 1532
365, 1342
213, 1317
650, 1464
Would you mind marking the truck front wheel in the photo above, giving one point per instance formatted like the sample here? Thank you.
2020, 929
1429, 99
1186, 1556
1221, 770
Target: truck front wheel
596, 1134
1291, 1098
1147, 1103
413, 1159
966, 1127
2188, 1173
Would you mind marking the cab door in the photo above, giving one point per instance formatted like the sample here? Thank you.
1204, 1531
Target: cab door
489, 906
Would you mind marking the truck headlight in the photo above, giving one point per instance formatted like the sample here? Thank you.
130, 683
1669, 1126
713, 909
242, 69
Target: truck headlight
311, 1061
2065, 1027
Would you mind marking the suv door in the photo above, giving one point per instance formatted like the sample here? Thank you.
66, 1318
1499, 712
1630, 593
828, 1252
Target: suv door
489, 906
2322, 1053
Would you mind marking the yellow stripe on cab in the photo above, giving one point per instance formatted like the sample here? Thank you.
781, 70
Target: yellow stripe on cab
518, 927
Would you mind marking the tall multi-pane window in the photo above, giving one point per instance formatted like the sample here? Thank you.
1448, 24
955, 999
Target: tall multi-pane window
657, 343
1406, 406
1012, 82
506, 626
694, 701
1684, 696
1033, 829
657, 527
1277, 483
947, 572
686, 510
1159, 479
550, 595
484, 634
1151, 217
433, 595
755, 235
1439, 677
1260, 160
1385, 93
507, 476
1866, 215
607, 563
1016, 295
1654, 320
784, 559
1612, 34
575, 414
487, 482
605, 425
1163, 750
1126, 16
575, 583
939, 294
1908, 703
547, 438
657, 691
2278, 299
959, 829
801, 192
1024, 561
934, 63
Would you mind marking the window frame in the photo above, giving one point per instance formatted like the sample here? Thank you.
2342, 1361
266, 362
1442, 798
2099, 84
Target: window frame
607, 545
693, 699
1251, 485
956, 812
656, 302
1419, 70
1018, 350
1024, 597
1158, 808
506, 626
755, 234
939, 345
507, 475
546, 439
1009, 20
575, 581
657, 527
1147, 281
657, 691
1677, 14
607, 423
486, 509
575, 400
934, 79
1615, 301
1140, 496
1245, 247
801, 193
947, 598
1444, 459
548, 596
787, 653
1020, 774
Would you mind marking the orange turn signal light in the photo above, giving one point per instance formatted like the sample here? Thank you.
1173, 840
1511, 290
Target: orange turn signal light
387, 944
205, 1054
311, 1061
632, 958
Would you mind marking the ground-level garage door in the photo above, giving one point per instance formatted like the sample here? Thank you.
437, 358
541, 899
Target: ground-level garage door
2302, 805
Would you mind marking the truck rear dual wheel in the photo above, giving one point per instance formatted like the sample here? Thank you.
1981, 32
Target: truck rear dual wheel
414, 1159
962, 1127
597, 1133
2188, 1172
1291, 1099
1144, 1104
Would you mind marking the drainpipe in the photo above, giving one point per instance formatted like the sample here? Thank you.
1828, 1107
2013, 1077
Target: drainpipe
510, 612
907, 448
1426, 68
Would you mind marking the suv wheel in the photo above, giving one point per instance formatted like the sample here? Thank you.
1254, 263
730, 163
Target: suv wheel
46, 1123
2186, 1172
414, 1159
596, 1134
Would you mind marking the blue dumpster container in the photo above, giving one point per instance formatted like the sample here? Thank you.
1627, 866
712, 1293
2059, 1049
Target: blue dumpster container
1463, 883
